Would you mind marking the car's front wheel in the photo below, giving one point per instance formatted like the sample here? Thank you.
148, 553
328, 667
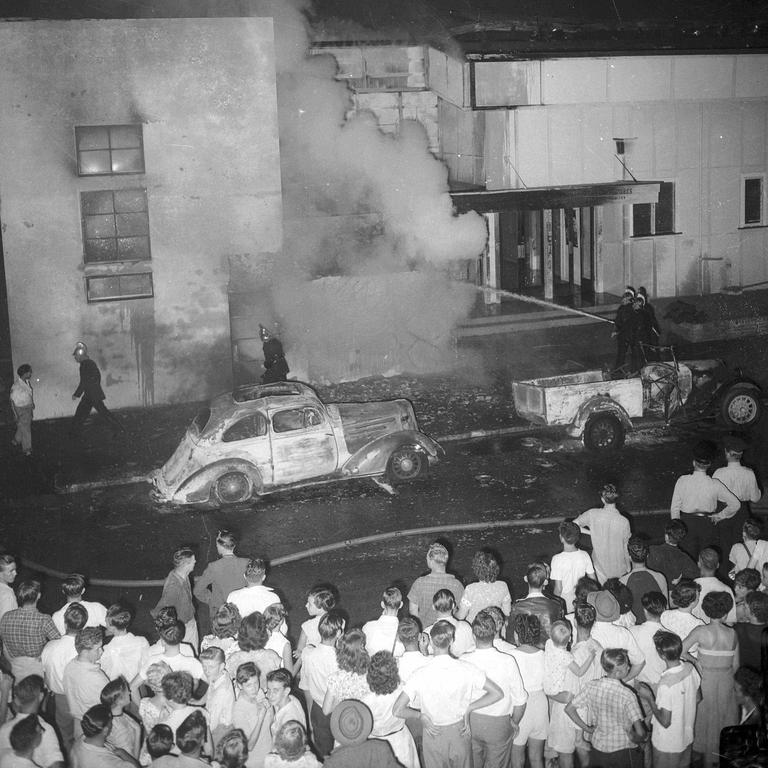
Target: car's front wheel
406, 463
604, 432
741, 406
232, 487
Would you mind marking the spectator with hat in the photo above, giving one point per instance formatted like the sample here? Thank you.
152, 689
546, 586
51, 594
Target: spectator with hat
610, 635
696, 497
742, 483
351, 725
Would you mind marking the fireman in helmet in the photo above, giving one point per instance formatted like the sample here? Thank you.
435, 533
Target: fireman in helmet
90, 393
275, 364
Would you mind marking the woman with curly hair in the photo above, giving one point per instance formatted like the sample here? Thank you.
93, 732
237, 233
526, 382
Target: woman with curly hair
152, 709
224, 625
274, 616
349, 681
718, 659
252, 637
488, 590
384, 682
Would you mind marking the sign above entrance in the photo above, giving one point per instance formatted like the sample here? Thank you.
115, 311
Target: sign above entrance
569, 196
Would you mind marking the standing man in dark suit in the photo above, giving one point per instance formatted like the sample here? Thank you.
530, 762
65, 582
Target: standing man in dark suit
90, 392
546, 609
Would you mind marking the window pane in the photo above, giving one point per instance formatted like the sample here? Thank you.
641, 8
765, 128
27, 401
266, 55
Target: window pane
99, 226
95, 162
641, 219
130, 200
136, 285
103, 287
132, 224
96, 202
133, 248
92, 137
753, 201
122, 136
665, 208
127, 161
100, 250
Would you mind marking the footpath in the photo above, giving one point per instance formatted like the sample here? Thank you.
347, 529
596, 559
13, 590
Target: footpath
515, 342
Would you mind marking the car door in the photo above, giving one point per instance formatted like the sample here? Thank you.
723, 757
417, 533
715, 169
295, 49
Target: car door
247, 437
303, 444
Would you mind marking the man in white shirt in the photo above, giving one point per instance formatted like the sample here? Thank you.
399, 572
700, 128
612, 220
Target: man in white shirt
570, 565
254, 596
444, 604
415, 647
447, 691
709, 561
126, 654
610, 635
318, 664
54, 658
220, 697
172, 636
23, 406
381, 634
494, 727
8, 600
27, 697
73, 588
83, 677
654, 604
695, 500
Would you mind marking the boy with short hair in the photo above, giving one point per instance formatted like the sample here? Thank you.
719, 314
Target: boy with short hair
744, 582
570, 565
73, 589
423, 589
83, 677
177, 688
536, 602
669, 559
191, 736
221, 576
126, 654
126, 732
381, 634
444, 604
640, 578
709, 561
673, 704
254, 596
285, 707
25, 738
220, 696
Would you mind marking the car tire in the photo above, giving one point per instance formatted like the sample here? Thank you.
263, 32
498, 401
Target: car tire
405, 464
741, 406
604, 432
232, 488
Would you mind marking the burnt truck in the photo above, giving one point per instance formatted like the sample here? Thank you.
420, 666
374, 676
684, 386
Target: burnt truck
260, 439
600, 408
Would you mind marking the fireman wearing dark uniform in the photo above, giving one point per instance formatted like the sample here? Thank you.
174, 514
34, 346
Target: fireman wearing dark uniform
275, 364
624, 322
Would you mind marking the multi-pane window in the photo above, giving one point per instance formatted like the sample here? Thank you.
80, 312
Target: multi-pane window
753, 201
655, 218
109, 149
115, 225
114, 287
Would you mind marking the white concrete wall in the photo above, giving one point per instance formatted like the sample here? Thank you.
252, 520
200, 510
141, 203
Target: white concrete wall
204, 91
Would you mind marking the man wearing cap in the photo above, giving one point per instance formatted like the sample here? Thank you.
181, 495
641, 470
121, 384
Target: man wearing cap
609, 635
90, 392
623, 327
741, 482
447, 690
351, 725
696, 497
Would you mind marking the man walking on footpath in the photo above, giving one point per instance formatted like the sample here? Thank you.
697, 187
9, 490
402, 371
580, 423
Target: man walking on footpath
90, 393
23, 404
696, 497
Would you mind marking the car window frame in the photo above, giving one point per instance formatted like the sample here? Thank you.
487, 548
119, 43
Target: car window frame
242, 418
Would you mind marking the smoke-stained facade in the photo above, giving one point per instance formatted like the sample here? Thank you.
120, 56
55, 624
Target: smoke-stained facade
138, 158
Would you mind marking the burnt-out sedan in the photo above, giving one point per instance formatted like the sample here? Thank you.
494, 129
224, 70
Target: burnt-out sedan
260, 439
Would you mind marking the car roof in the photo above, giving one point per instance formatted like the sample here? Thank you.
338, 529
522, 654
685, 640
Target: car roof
250, 396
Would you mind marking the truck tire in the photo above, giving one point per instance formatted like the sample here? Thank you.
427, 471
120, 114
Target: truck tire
604, 432
406, 463
232, 488
741, 406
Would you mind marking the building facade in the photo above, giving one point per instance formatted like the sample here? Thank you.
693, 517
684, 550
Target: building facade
138, 158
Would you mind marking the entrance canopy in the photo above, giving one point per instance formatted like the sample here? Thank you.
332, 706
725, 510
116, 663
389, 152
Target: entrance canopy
568, 196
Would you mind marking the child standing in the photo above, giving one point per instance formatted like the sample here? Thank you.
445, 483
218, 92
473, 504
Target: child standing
570, 565
673, 704
252, 714
609, 531
220, 696
126, 732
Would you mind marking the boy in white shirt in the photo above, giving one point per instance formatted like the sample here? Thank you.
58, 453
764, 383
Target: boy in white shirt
220, 696
673, 705
73, 588
569, 565
126, 654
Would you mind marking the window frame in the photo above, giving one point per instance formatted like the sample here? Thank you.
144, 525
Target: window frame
654, 215
89, 279
79, 129
743, 223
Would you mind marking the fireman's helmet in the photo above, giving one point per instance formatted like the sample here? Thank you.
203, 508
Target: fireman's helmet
81, 351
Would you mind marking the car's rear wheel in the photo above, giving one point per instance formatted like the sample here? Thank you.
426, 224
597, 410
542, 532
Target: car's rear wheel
406, 463
741, 406
232, 487
604, 432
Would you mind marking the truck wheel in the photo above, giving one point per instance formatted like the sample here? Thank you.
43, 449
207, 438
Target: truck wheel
604, 432
405, 463
232, 487
741, 406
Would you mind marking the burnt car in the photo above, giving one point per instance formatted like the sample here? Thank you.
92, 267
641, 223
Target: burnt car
264, 438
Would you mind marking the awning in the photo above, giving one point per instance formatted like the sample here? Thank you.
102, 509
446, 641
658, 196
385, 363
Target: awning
569, 196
